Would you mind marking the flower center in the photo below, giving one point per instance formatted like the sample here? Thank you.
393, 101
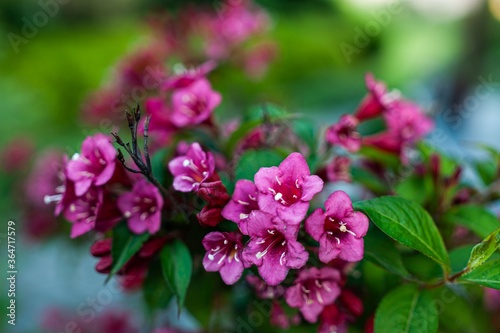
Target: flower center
228, 250
286, 192
337, 229
274, 244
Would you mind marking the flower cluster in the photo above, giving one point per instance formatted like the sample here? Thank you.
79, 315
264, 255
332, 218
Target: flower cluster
405, 122
259, 200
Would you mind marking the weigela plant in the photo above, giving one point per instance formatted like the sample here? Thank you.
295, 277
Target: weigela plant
360, 224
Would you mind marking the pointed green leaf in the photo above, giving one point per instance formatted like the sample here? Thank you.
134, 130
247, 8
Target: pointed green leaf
487, 275
177, 267
407, 310
482, 251
381, 251
157, 293
407, 223
124, 246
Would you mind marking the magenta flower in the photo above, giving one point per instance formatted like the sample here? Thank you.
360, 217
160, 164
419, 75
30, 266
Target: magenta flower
192, 169
142, 207
189, 76
194, 104
93, 210
313, 290
339, 169
407, 121
339, 230
161, 125
376, 101
224, 255
287, 189
406, 124
273, 247
94, 166
345, 134
243, 202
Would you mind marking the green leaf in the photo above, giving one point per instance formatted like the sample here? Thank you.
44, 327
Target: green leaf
177, 267
381, 251
407, 223
159, 163
124, 246
488, 171
482, 251
252, 160
157, 293
476, 218
414, 188
487, 275
407, 310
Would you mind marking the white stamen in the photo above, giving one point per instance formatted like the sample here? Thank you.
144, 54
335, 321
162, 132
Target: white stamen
281, 258
343, 228
318, 296
262, 241
72, 208
75, 156
305, 290
152, 209
144, 216
326, 287
147, 200
338, 240
127, 214
216, 249
296, 183
243, 202
52, 198
278, 196
243, 216
252, 198
272, 190
271, 232
221, 259
236, 257
278, 181
186, 163
225, 241
318, 284
210, 257
189, 179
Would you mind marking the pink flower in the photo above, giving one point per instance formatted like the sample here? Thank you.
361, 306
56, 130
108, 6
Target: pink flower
344, 133
94, 166
406, 124
192, 169
339, 230
313, 290
243, 202
142, 207
194, 104
189, 76
224, 255
273, 247
339, 169
263, 290
160, 126
376, 100
93, 210
287, 189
